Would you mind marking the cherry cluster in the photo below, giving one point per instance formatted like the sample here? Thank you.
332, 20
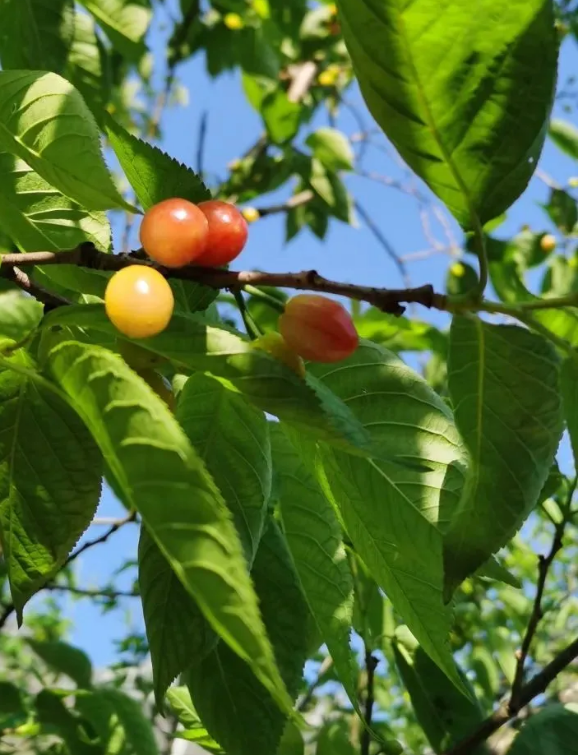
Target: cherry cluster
139, 300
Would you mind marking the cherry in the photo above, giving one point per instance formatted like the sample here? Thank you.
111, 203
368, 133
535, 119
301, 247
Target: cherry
318, 329
228, 232
275, 344
138, 301
174, 232
548, 243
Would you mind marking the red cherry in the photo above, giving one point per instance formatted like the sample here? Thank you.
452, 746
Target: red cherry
318, 329
228, 232
174, 232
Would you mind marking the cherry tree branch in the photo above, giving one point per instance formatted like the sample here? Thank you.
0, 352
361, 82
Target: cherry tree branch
387, 300
544, 564
508, 710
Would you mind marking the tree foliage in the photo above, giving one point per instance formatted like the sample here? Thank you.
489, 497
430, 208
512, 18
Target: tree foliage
374, 556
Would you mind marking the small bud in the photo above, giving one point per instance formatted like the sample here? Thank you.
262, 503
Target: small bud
458, 270
548, 243
251, 214
233, 21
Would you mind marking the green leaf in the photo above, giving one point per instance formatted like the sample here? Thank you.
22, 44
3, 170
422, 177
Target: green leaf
332, 148
19, 315
282, 117
395, 517
160, 474
182, 706
56, 718
45, 121
125, 23
152, 173
65, 659
137, 727
565, 137
503, 381
486, 671
50, 472
12, 710
552, 730
292, 741
445, 715
87, 66
232, 706
37, 37
494, 571
399, 333
191, 343
315, 542
178, 634
508, 284
232, 438
562, 210
451, 90
39, 218
569, 390
331, 189
334, 739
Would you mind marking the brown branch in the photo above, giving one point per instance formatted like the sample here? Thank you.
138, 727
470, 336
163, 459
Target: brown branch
370, 666
544, 564
10, 608
298, 200
387, 300
23, 281
507, 710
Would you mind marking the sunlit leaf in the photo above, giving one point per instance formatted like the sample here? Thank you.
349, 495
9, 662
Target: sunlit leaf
452, 90
503, 382
45, 121
159, 473
50, 472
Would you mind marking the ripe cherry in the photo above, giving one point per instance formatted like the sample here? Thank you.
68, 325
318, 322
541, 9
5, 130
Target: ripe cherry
228, 232
318, 329
138, 301
174, 232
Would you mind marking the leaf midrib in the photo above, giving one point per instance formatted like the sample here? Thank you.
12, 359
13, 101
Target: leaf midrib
430, 121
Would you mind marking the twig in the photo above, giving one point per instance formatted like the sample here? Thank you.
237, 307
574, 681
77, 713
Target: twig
22, 280
201, 143
506, 711
308, 696
370, 665
390, 251
544, 564
10, 608
250, 325
304, 197
387, 300
87, 593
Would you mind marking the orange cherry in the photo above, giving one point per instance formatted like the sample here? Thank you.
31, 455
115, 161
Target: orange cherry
174, 233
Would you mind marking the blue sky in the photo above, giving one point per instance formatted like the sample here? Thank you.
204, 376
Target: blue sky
348, 254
